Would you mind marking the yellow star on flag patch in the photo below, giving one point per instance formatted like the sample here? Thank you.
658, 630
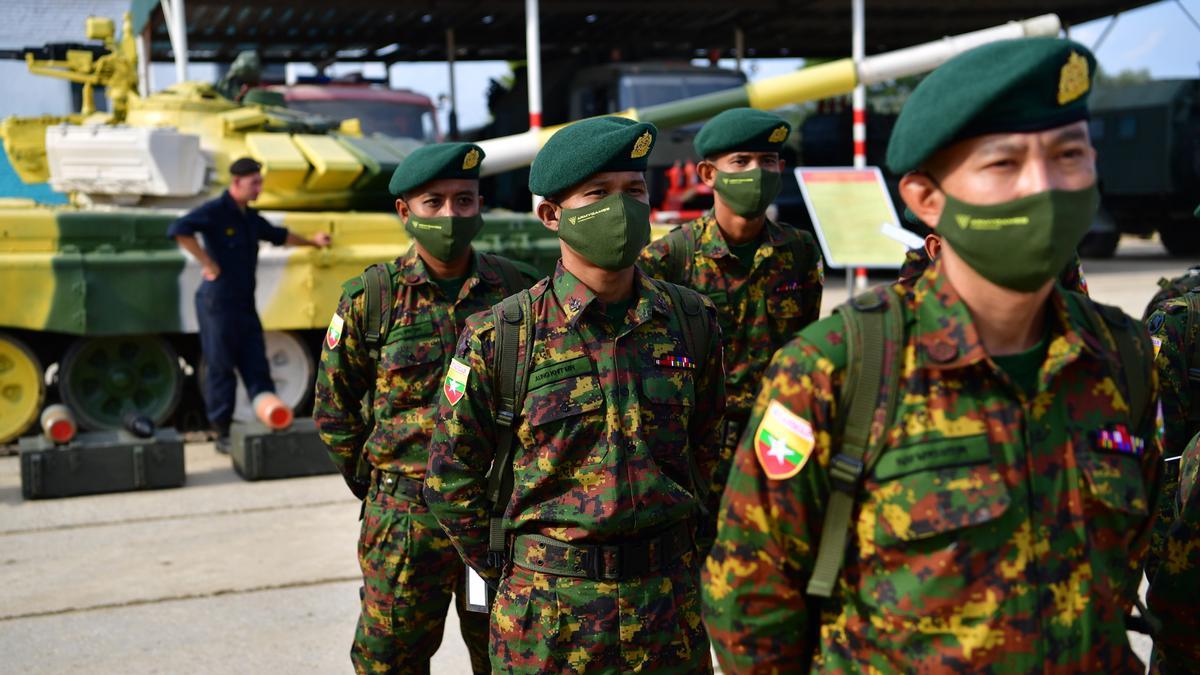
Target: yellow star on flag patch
783, 442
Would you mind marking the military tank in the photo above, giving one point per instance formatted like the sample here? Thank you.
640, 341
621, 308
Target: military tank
97, 308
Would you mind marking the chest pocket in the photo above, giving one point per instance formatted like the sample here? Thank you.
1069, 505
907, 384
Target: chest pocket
557, 397
1114, 482
564, 420
930, 511
412, 364
668, 396
935, 488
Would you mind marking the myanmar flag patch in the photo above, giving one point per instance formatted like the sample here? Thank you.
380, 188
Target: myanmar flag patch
783, 442
455, 386
334, 335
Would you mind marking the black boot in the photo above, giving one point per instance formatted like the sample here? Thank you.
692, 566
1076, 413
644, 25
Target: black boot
222, 442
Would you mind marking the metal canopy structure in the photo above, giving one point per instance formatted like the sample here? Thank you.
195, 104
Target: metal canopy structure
319, 31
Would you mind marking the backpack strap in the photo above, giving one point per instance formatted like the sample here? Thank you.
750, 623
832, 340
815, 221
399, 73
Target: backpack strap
874, 326
680, 251
509, 273
377, 279
513, 322
690, 315
377, 282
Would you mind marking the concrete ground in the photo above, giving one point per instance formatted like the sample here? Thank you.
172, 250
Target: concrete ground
228, 576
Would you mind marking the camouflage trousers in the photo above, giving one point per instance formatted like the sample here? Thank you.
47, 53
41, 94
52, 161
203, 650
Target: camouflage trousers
409, 571
543, 623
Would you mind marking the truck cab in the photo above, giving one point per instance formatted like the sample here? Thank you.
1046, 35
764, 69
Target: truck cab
400, 113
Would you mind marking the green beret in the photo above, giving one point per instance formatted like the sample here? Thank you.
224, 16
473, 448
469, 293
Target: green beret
435, 162
742, 129
588, 147
1009, 86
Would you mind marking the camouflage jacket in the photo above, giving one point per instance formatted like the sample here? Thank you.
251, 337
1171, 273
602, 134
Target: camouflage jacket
599, 450
1174, 589
1174, 357
994, 532
408, 376
916, 261
759, 309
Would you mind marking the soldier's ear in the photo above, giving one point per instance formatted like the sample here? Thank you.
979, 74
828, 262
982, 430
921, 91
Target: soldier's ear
402, 209
549, 213
923, 196
707, 172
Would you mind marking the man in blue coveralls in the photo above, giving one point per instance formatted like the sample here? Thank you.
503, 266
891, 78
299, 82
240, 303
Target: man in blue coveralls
230, 332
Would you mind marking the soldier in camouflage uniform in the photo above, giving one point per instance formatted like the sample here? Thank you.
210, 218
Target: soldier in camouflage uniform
1001, 521
764, 277
600, 561
1175, 333
1175, 587
409, 567
1174, 567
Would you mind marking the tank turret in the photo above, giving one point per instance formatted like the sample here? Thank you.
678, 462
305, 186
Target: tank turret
172, 148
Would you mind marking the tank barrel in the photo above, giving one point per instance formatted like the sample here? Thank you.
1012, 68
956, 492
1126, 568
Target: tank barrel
810, 84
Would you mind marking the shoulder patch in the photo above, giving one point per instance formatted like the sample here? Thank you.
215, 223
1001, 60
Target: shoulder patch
455, 385
783, 442
334, 335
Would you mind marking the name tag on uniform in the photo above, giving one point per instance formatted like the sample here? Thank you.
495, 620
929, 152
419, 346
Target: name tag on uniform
555, 371
941, 453
414, 330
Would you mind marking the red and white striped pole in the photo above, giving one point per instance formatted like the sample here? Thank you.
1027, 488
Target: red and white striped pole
857, 52
533, 63
533, 72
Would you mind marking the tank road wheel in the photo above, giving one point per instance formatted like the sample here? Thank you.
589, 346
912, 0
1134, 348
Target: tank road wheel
293, 370
22, 390
103, 378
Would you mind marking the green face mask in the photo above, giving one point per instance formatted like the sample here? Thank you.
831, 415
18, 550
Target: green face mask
1023, 243
610, 233
445, 237
748, 193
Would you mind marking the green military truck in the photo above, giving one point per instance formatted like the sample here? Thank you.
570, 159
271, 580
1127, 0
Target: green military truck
1147, 138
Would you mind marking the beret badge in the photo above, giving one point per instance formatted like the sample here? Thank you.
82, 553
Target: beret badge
1073, 81
779, 135
642, 146
470, 160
